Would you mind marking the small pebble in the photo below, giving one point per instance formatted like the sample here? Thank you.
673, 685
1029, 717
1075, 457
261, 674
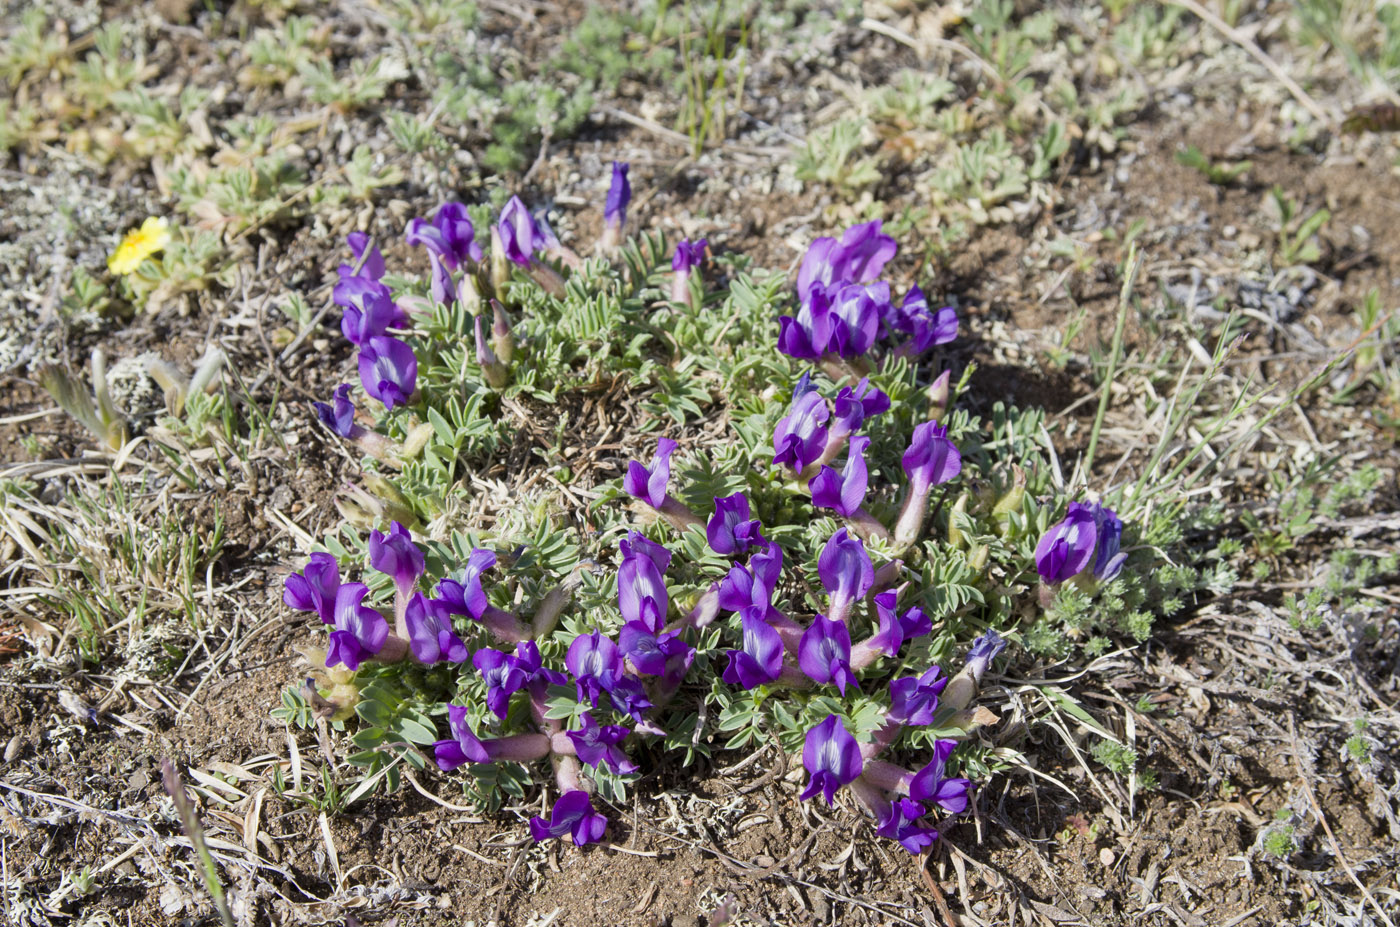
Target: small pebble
76, 706
1106, 857
12, 748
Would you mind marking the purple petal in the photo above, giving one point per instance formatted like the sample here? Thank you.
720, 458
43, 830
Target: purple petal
388, 370
619, 195
932, 459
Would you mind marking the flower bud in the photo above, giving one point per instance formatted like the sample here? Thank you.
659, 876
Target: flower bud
500, 264
497, 374
955, 534
469, 292
938, 394
502, 341
1011, 500
416, 440
396, 505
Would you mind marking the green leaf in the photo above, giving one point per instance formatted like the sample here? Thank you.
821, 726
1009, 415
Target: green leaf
445, 432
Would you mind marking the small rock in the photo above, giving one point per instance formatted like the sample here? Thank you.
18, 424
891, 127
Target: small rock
1106, 857
76, 706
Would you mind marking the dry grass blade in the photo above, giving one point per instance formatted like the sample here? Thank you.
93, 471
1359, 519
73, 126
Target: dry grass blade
1272, 66
195, 832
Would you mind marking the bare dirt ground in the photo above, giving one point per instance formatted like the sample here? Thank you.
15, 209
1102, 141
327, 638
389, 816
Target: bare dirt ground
1243, 716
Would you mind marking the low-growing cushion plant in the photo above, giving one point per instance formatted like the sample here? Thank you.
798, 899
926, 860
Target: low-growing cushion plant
692, 611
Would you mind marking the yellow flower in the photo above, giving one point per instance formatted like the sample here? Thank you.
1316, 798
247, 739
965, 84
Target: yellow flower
139, 244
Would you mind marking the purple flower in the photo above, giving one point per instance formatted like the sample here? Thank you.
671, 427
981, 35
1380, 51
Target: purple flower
925, 328
832, 756
1108, 562
738, 591
894, 631
596, 665
463, 746
341, 418
619, 195
314, 588
808, 335
388, 370
929, 784
465, 596
845, 570
360, 631
863, 253
629, 698
394, 554
817, 272
503, 676
858, 258
855, 405
984, 650
761, 659
520, 234
855, 318
730, 530
596, 744
450, 236
371, 265
931, 459
547, 240
900, 822
457, 233
844, 491
527, 659
824, 653
444, 291
914, 699
573, 814
1068, 547
649, 483
679, 656
648, 650
430, 633
754, 584
688, 256
641, 581
369, 309
800, 437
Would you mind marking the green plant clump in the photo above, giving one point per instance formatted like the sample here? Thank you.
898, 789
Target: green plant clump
755, 588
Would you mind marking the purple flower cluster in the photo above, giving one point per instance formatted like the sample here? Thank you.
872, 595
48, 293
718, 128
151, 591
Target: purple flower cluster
601, 666
450, 238
834, 758
358, 631
843, 310
388, 367
812, 433
424, 624
623, 676
1088, 536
